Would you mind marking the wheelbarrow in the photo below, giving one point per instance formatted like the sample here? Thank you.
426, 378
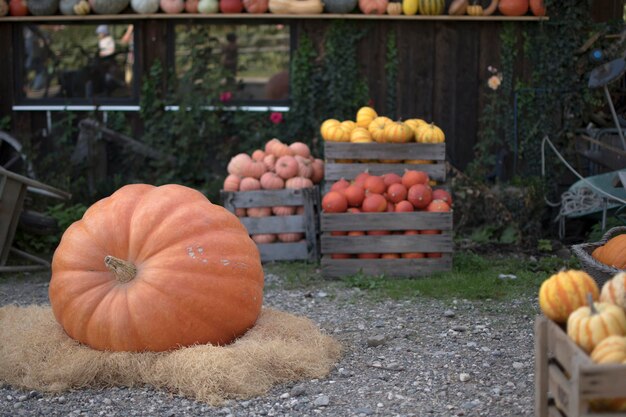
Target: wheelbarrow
13, 190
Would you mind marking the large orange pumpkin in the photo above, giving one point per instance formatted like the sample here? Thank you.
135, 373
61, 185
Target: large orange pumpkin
155, 268
613, 252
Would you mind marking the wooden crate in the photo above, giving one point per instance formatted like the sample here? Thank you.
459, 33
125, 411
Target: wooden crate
566, 379
403, 267
337, 151
307, 223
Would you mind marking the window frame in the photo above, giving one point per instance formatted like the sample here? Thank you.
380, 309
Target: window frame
18, 66
246, 105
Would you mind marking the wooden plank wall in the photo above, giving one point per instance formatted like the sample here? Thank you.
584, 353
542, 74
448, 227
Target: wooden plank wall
442, 72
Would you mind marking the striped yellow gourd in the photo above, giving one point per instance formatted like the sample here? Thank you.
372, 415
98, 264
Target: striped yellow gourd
564, 292
611, 350
614, 290
432, 7
587, 326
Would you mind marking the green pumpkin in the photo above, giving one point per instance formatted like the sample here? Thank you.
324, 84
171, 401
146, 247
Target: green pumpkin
432, 7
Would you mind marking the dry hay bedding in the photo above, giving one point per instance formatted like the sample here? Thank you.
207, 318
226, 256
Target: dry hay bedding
36, 354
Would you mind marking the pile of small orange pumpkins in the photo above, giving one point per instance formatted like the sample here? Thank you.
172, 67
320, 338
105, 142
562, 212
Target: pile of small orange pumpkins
277, 166
595, 320
386, 193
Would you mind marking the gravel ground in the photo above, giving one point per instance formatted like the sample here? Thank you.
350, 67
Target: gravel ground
417, 357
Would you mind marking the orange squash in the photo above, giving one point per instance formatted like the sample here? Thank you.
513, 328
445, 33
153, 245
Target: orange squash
155, 268
613, 252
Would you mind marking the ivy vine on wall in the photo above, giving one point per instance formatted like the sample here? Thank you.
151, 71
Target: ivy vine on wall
553, 100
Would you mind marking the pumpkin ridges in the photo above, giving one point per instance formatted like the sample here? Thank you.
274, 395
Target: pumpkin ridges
236, 276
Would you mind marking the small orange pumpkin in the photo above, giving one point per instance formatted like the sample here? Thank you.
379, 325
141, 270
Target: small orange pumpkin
334, 202
155, 268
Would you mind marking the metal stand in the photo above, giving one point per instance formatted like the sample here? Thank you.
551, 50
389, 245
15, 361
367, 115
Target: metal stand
602, 76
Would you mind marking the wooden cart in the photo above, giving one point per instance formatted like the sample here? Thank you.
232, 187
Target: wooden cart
13, 191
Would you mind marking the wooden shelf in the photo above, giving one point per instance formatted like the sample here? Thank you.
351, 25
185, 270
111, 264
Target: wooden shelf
265, 16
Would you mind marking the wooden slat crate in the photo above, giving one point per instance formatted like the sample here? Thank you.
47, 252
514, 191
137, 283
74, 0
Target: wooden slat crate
337, 151
566, 379
402, 267
306, 223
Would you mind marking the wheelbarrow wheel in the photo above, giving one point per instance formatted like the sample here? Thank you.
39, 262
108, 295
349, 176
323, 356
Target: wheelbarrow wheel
12, 158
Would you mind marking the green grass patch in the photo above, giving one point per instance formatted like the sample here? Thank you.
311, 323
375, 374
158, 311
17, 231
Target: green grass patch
295, 274
472, 277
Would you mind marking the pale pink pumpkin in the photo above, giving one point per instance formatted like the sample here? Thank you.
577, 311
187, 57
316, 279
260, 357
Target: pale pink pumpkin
282, 149
296, 183
231, 182
283, 210
271, 144
271, 181
259, 211
240, 212
172, 6
373, 6
300, 148
256, 6
270, 162
305, 167
286, 167
290, 237
235, 166
258, 155
264, 238
254, 169
249, 184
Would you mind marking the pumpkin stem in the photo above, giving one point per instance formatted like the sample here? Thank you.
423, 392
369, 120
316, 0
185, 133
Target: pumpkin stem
592, 307
124, 271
